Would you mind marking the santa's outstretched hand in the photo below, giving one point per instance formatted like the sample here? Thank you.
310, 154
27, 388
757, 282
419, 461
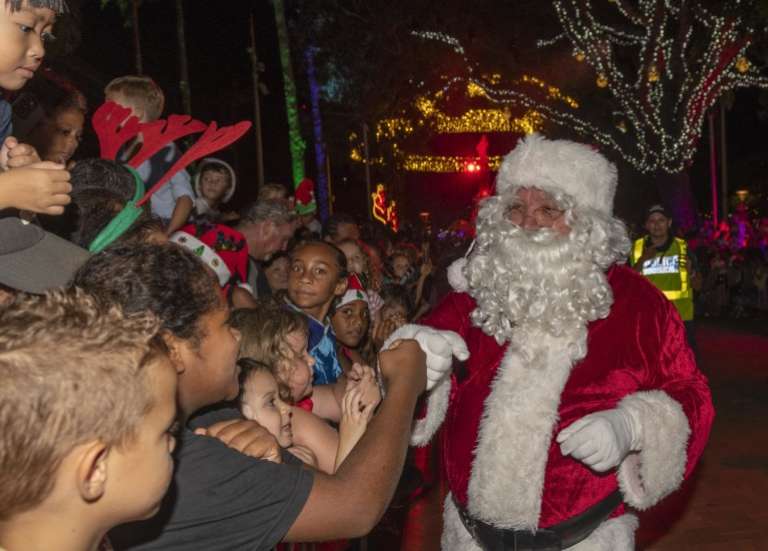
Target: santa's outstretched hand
601, 440
440, 348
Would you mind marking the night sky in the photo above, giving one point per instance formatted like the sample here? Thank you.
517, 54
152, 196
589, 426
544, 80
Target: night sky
220, 75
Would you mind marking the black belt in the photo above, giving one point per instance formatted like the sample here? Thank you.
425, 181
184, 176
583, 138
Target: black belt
561, 536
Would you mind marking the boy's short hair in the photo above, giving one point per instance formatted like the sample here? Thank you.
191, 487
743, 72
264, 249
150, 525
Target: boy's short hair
58, 6
167, 280
142, 90
272, 191
72, 372
263, 332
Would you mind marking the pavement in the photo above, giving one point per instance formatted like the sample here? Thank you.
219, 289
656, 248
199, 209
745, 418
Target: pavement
721, 507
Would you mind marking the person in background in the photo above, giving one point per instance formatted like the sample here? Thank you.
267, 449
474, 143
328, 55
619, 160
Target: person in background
174, 202
273, 276
267, 227
215, 184
50, 117
665, 260
339, 227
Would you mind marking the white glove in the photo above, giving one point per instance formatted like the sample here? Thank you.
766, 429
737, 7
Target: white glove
601, 440
439, 346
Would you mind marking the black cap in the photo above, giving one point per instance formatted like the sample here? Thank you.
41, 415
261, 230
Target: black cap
657, 209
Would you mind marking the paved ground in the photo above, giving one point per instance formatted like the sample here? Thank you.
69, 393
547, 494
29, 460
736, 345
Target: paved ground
723, 507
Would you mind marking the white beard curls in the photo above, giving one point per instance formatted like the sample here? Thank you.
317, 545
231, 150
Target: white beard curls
541, 279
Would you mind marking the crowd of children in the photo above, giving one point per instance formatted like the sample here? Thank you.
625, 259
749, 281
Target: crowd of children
177, 375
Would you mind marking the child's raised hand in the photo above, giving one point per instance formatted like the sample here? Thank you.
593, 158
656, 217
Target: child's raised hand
363, 378
354, 414
42, 187
16, 155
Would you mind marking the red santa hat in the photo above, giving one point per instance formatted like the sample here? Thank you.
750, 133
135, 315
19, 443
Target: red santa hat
305, 197
220, 247
557, 166
355, 291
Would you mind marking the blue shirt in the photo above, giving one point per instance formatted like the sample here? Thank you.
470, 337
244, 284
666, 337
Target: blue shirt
163, 201
322, 347
6, 128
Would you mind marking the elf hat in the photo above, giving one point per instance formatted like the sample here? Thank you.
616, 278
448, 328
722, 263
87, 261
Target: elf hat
305, 197
220, 247
558, 166
355, 291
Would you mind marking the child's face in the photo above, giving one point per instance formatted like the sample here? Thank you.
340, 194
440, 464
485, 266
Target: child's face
394, 312
313, 279
400, 266
22, 36
139, 471
299, 365
214, 185
277, 274
65, 133
350, 323
355, 258
262, 403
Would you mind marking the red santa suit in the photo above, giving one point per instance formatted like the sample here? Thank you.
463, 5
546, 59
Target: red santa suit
503, 412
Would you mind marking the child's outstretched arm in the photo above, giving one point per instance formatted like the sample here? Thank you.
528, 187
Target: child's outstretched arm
309, 431
354, 420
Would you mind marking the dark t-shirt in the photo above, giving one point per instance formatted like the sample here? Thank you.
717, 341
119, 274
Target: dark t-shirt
221, 499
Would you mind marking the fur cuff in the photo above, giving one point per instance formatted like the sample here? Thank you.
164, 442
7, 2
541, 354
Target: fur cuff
437, 404
407, 331
657, 470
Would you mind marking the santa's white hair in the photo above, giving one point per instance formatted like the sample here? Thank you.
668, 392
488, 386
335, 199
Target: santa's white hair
540, 278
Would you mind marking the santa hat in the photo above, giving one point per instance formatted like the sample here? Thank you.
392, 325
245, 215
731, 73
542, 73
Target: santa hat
355, 291
220, 247
560, 166
305, 197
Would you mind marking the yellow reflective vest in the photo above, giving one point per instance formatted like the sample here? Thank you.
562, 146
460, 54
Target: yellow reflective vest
668, 271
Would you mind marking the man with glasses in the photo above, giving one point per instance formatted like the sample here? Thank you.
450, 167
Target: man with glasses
580, 395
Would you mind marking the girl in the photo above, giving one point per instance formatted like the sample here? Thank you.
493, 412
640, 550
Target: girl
278, 338
359, 262
260, 401
351, 321
317, 276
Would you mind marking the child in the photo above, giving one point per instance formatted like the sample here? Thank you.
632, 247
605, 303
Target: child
277, 337
41, 187
173, 203
359, 261
316, 277
395, 312
261, 401
215, 184
351, 321
86, 444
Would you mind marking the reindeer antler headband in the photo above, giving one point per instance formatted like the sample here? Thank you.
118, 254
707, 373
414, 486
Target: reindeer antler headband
115, 126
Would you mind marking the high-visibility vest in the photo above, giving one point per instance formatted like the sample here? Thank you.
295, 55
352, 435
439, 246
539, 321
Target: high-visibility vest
668, 271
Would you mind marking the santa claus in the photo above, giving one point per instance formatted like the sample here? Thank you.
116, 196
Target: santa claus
580, 398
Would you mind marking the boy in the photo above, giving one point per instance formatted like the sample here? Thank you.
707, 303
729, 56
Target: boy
24, 28
215, 184
86, 443
173, 203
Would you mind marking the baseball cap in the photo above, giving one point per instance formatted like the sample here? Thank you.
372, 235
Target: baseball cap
33, 260
657, 209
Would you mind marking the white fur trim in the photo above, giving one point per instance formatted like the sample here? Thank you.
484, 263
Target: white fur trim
437, 404
507, 479
560, 166
455, 536
407, 331
616, 534
205, 253
456, 277
657, 470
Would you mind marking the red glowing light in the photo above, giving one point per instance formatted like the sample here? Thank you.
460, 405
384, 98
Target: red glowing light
472, 166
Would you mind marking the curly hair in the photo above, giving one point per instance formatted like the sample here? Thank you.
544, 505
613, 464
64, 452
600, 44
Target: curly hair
166, 280
264, 331
73, 371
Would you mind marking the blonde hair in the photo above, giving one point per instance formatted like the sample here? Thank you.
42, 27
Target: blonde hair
264, 331
142, 90
71, 372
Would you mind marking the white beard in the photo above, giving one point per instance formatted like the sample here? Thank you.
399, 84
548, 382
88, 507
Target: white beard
541, 279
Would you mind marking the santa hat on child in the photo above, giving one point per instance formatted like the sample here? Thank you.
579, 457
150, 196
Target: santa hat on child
220, 247
305, 197
355, 291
